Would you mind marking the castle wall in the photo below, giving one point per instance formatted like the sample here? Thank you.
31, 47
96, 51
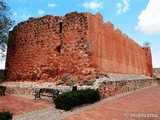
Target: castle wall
115, 52
76, 44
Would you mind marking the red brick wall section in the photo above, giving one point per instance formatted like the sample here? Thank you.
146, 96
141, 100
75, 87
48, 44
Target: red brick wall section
38, 51
115, 52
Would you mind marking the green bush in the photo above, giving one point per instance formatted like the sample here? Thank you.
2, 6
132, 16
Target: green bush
97, 77
5, 115
1, 74
71, 99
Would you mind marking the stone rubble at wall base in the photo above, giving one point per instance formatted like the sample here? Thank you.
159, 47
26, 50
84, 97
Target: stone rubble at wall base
111, 85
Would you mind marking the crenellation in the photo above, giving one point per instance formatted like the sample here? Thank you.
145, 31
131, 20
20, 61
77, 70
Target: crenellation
99, 16
118, 31
126, 36
110, 25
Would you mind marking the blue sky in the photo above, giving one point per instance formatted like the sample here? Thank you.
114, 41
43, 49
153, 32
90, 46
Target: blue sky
139, 19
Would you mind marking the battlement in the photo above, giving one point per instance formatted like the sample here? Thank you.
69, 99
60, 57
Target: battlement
99, 16
118, 31
110, 25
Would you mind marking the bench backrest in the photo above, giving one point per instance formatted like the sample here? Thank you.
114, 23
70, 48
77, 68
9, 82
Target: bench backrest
47, 90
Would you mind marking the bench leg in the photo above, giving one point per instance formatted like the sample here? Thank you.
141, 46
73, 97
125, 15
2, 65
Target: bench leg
1, 92
37, 95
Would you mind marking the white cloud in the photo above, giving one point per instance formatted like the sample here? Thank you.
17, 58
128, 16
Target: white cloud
41, 11
119, 5
156, 58
94, 5
123, 7
149, 19
15, 14
51, 5
23, 14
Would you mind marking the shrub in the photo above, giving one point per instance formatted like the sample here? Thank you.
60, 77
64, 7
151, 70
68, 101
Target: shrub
97, 77
5, 115
2, 76
71, 99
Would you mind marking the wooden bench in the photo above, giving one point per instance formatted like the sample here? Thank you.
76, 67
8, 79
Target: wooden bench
2, 90
53, 93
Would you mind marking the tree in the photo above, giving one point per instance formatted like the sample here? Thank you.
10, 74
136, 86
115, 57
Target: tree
5, 25
146, 44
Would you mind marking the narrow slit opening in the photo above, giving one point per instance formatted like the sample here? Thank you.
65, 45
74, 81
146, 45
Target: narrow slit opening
59, 49
60, 27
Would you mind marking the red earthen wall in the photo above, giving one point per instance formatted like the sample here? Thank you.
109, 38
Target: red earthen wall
115, 52
86, 43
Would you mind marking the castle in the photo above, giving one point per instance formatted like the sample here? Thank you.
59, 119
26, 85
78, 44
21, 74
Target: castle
77, 44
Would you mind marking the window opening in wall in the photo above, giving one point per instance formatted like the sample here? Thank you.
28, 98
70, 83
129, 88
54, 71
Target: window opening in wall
60, 27
59, 49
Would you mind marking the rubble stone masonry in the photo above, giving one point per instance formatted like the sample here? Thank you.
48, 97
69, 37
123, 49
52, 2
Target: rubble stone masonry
77, 45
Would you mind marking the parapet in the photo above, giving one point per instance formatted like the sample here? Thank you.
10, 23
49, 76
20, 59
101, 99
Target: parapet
99, 16
124, 35
110, 25
118, 31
